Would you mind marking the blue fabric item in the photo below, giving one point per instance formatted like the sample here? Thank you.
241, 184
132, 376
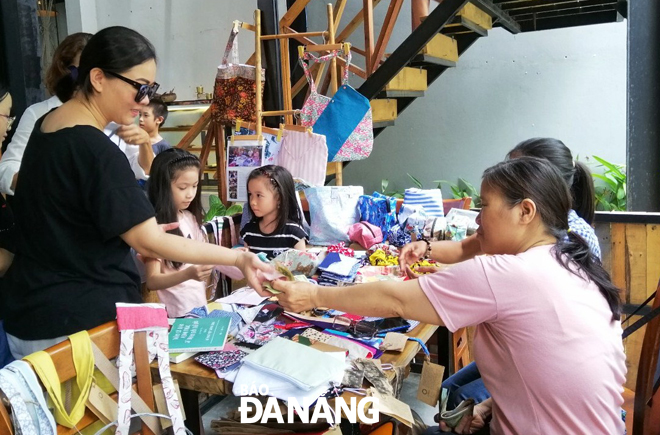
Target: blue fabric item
430, 199
234, 317
340, 117
379, 210
5, 355
580, 227
398, 236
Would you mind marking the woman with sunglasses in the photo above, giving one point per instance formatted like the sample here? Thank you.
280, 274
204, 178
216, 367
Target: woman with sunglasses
78, 208
60, 82
548, 331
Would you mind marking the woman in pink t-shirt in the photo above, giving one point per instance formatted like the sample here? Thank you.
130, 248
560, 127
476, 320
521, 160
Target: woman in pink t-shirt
548, 336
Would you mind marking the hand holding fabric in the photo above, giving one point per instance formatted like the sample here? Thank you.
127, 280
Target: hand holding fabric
296, 296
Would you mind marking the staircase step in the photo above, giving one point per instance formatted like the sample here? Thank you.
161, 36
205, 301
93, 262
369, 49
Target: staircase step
442, 47
401, 94
470, 19
383, 110
441, 50
408, 79
383, 124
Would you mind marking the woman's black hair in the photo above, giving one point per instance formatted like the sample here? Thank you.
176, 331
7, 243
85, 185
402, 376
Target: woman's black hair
163, 172
282, 184
540, 181
114, 49
576, 174
4, 90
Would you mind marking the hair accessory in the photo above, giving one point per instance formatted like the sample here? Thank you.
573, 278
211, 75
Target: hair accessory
73, 70
184, 157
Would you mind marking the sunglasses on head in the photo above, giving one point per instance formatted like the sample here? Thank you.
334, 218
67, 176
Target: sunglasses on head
142, 89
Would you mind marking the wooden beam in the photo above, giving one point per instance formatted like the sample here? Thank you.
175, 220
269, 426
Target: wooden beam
286, 76
353, 25
309, 43
287, 35
195, 130
368, 8
385, 33
340, 5
293, 12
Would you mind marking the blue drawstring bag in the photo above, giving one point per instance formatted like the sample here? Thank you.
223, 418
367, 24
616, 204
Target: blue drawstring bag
378, 210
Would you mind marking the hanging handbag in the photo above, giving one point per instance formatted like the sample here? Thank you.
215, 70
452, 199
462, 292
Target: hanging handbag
235, 91
346, 123
332, 209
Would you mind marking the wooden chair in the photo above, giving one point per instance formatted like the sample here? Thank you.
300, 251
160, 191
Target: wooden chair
645, 412
106, 337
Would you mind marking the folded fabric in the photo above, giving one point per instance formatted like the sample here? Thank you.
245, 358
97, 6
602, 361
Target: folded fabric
220, 360
339, 264
300, 365
298, 262
355, 349
258, 332
249, 377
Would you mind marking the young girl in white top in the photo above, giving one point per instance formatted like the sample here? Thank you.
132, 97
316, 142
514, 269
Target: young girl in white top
173, 192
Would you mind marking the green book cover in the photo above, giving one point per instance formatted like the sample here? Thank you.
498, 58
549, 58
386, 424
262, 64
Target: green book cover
199, 335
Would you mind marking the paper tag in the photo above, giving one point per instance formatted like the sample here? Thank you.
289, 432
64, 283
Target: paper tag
101, 404
430, 383
389, 405
394, 341
161, 405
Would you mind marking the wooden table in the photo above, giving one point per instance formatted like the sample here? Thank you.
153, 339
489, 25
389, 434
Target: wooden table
194, 378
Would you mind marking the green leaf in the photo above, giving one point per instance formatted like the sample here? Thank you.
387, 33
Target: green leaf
621, 193
610, 182
605, 163
236, 208
384, 183
416, 181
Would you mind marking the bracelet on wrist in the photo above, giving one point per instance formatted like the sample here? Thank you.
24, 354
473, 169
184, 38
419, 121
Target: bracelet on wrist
427, 253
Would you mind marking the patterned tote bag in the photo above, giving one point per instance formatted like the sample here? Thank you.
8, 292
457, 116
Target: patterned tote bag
235, 91
347, 123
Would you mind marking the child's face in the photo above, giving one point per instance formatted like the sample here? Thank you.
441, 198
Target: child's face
184, 187
147, 121
263, 198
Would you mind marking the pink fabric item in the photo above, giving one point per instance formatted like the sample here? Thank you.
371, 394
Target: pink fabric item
305, 155
365, 234
181, 298
232, 272
545, 343
141, 316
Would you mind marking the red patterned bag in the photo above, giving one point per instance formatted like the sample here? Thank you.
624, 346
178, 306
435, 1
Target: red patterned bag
235, 87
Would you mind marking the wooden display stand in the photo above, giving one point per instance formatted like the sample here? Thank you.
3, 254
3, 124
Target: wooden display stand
216, 132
